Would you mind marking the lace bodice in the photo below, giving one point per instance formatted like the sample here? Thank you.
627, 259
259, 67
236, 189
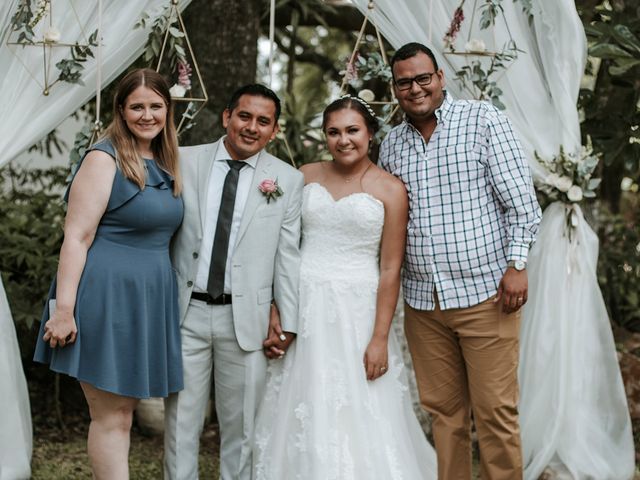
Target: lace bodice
341, 239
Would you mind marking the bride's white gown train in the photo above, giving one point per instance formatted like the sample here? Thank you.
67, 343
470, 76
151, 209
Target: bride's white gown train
15, 413
321, 419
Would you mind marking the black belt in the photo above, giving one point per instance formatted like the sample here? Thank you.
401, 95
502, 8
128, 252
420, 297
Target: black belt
223, 299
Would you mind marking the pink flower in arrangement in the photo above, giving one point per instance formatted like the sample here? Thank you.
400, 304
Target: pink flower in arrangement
351, 72
454, 28
184, 75
270, 189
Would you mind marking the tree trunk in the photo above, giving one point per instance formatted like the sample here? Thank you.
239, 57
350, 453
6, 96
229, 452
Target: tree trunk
224, 38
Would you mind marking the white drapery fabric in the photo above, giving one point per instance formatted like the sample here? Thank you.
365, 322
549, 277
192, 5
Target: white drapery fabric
573, 411
28, 115
574, 414
15, 413
540, 89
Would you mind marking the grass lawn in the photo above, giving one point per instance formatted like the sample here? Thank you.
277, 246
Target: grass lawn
62, 455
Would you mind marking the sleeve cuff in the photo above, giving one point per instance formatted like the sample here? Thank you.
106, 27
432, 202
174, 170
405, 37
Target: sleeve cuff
518, 251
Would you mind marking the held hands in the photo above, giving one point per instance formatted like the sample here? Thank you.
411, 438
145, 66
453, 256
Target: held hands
277, 341
512, 290
60, 329
376, 360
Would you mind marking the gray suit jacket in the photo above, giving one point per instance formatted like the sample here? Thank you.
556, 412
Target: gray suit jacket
266, 257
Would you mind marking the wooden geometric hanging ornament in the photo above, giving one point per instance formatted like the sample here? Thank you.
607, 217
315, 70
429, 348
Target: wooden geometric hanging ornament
484, 64
356, 61
38, 28
178, 63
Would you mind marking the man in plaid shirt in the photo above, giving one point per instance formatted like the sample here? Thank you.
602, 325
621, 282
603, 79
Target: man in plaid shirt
473, 216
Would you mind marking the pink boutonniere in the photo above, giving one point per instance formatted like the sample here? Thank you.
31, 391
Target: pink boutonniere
270, 189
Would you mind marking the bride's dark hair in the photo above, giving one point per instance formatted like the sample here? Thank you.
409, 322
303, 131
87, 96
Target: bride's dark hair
353, 103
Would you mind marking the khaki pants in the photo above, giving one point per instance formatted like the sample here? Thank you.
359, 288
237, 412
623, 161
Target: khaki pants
467, 360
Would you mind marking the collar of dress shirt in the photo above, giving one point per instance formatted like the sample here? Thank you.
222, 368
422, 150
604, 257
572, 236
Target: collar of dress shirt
222, 155
441, 112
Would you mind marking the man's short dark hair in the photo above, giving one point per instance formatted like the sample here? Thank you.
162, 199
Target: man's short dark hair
255, 89
411, 50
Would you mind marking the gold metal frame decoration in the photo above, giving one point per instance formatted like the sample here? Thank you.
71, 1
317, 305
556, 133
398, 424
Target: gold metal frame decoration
24, 25
168, 42
377, 63
483, 67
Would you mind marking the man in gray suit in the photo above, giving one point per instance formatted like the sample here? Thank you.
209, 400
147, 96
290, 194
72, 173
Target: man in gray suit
235, 253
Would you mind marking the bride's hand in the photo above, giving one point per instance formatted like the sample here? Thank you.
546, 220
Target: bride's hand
60, 329
277, 341
376, 360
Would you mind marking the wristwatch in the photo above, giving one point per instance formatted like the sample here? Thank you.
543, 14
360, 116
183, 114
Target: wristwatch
519, 265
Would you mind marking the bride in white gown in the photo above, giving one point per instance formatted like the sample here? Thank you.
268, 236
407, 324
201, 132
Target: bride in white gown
338, 407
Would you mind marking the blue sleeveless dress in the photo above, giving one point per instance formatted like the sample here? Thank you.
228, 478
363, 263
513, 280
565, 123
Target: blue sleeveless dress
126, 310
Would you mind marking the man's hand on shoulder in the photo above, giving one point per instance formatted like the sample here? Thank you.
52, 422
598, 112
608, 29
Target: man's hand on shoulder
513, 290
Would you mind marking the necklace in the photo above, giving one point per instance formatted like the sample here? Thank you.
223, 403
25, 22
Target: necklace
358, 176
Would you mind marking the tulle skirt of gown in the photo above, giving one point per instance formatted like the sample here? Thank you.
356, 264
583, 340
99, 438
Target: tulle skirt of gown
321, 419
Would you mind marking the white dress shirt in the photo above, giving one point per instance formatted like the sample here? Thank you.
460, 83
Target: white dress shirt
214, 197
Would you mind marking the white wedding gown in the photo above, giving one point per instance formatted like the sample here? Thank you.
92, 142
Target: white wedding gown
320, 418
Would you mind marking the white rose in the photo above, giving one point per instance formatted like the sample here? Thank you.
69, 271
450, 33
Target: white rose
367, 95
52, 35
625, 184
551, 179
574, 194
475, 45
177, 91
563, 183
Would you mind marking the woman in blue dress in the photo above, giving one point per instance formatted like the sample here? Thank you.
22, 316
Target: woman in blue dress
112, 316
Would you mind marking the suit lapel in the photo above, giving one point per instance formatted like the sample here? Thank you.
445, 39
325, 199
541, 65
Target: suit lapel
205, 167
255, 198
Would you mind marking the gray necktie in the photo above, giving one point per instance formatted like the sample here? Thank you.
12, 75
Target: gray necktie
215, 283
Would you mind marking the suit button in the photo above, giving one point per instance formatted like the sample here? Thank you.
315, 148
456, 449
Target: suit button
189, 284
195, 254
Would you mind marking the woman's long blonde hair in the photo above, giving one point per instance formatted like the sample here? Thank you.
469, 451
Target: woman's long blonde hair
164, 145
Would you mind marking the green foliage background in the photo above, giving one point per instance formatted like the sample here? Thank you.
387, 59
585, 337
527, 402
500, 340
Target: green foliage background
31, 222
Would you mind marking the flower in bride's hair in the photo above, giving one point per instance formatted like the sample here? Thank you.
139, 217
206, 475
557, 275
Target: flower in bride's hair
270, 189
367, 95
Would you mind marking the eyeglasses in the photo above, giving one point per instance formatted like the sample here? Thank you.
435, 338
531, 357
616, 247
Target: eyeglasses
423, 80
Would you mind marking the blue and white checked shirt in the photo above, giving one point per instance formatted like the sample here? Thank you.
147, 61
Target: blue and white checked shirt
472, 203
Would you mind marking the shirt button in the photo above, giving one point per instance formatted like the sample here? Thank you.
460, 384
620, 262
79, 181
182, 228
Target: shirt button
189, 284
195, 254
